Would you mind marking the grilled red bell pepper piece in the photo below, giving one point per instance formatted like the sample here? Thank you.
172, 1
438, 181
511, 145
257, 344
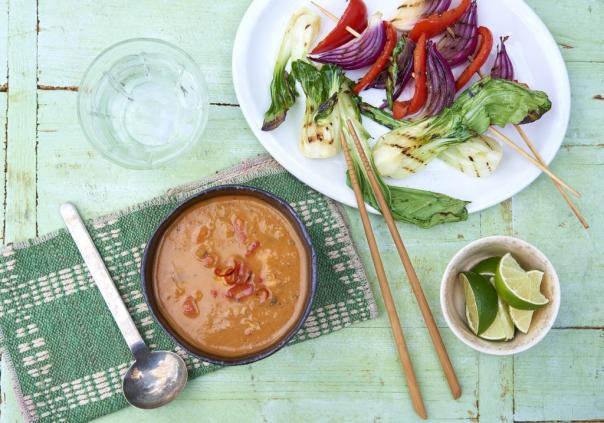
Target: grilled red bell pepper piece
486, 45
355, 16
382, 60
400, 109
435, 24
240, 291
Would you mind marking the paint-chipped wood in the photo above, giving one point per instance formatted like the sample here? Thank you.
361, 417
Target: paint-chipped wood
352, 375
20, 211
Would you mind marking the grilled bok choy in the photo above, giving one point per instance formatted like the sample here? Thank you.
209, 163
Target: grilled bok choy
410, 146
421, 208
320, 126
478, 157
302, 29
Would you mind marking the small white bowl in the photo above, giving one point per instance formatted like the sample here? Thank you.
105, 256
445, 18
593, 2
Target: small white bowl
452, 299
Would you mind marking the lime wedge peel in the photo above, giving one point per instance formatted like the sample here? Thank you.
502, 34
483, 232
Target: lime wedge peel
487, 267
514, 286
481, 301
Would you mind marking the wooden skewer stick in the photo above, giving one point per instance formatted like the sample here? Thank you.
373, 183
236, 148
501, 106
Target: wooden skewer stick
568, 200
395, 325
559, 187
441, 351
534, 161
334, 18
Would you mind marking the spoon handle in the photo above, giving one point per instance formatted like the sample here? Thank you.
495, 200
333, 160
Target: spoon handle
101, 276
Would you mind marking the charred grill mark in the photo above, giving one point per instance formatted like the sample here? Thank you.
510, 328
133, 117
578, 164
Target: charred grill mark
405, 151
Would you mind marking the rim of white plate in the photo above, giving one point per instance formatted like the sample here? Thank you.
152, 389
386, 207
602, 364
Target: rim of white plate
291, 165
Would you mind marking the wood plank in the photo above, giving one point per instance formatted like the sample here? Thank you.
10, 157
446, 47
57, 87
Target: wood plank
68, 49
544, 219
6, 391
3, 104
20, 220
576, 25
562, 378
364, 383
204, 29
3, 45
70, 169
496, 377
19, 185
587, 83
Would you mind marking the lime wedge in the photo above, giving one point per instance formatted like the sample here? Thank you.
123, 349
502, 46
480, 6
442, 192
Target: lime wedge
515, 287
487, 267
522, 318
502, 328
481, 301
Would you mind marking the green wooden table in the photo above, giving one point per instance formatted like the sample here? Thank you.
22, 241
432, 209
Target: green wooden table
353, 375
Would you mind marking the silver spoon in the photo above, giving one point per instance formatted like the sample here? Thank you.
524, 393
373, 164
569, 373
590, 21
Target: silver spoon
155, 378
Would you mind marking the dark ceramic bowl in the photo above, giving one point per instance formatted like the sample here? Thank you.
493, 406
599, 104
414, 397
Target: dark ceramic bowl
150, 252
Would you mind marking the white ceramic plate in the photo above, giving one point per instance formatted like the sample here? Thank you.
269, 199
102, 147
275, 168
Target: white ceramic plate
537, 61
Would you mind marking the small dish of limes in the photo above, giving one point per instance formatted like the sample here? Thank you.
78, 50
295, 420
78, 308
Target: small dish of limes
500, 295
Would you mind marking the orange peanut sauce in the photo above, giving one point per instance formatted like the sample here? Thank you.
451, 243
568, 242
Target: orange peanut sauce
231, 276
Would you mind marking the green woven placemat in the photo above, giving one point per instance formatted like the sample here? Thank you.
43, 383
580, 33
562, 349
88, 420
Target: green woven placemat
66, 353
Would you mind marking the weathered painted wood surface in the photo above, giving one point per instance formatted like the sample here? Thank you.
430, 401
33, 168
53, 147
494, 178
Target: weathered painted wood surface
352, 375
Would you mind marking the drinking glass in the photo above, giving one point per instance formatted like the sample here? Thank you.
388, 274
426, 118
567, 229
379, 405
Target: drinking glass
142, 103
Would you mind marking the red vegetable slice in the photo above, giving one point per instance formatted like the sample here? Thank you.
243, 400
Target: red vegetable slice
503, 67
486, 45
235, 275
189, 307
435, 24
240, 291
263, 294
437, 6
358, 52
440, 83
355, 16
225, 270
459, 44
382, 60
405, 108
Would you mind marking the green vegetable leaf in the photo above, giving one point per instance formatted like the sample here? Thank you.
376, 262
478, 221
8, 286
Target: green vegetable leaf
311, 80
411, 145
320, 127
500, 102
393, 70
422, 208
425, 208
380, 116
302, 29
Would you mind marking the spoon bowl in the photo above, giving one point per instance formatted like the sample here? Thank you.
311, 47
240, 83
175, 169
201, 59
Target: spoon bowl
155, 379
